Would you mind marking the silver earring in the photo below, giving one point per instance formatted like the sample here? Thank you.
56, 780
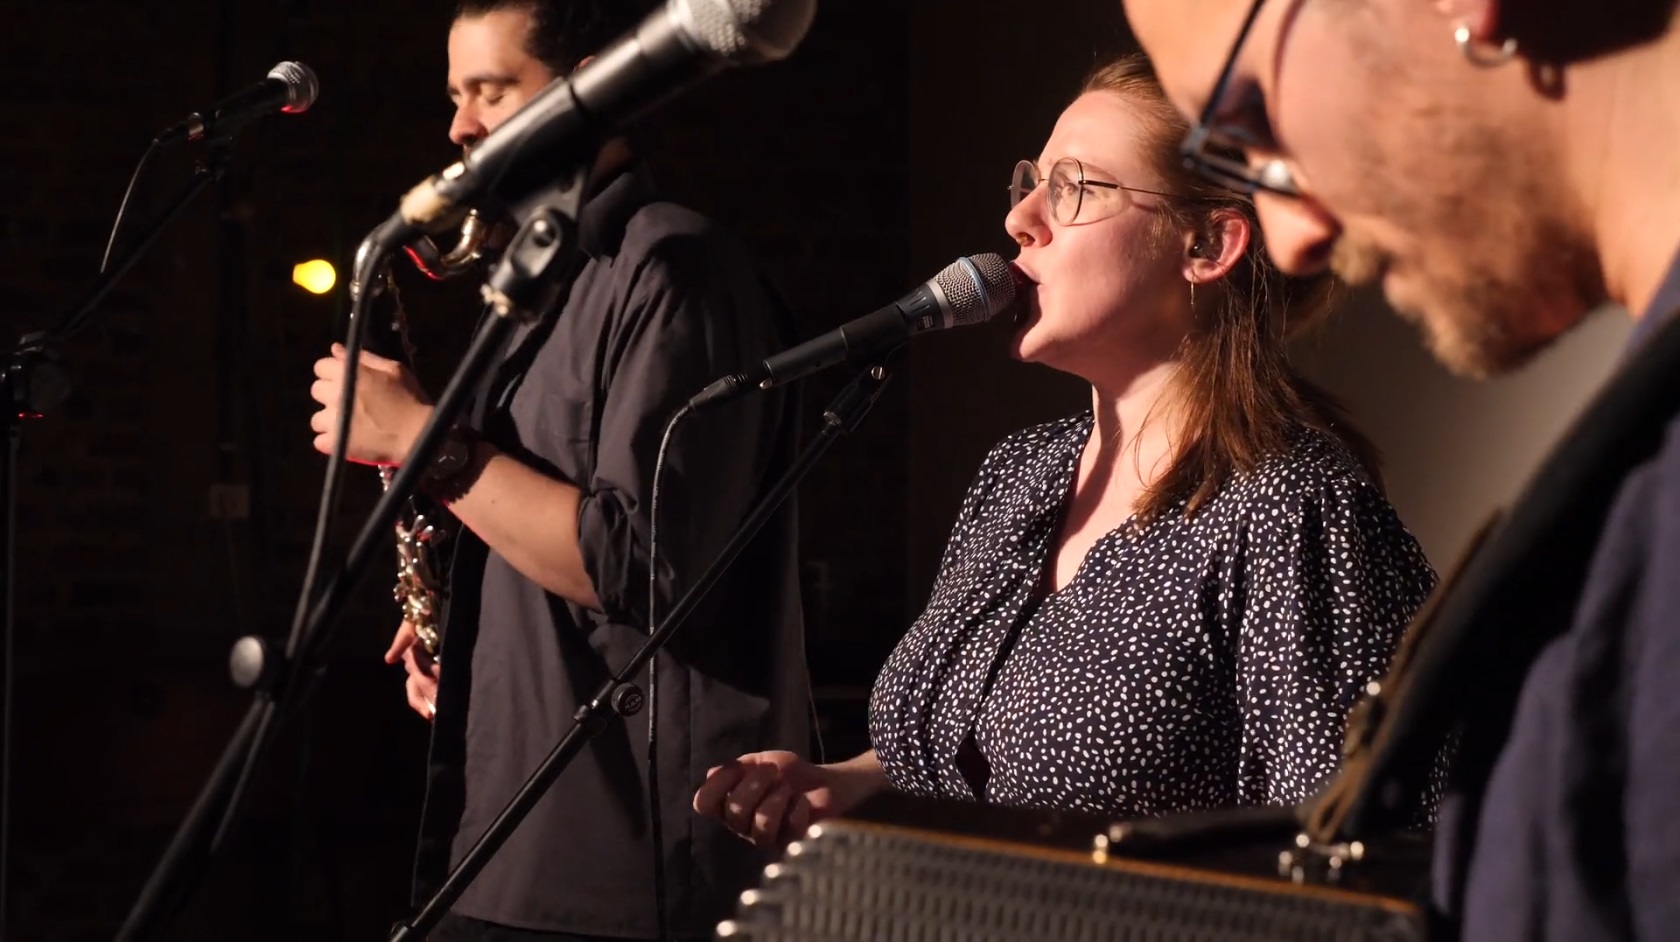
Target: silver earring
1475, 56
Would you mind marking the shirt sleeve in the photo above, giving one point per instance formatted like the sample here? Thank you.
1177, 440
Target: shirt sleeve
1326, 585
695, 311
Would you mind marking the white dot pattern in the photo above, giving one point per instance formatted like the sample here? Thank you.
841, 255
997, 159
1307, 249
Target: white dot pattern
1188, 664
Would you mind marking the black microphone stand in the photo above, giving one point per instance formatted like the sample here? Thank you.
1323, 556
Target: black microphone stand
522, 286
34, 382
619, 696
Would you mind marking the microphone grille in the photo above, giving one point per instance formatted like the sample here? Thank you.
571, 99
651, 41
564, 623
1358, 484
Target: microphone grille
978, 288
302, 88
746, 32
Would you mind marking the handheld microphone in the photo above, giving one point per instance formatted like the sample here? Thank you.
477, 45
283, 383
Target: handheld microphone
565, 123
968, 291
290, 87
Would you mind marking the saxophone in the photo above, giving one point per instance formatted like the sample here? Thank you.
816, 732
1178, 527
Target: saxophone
418, 588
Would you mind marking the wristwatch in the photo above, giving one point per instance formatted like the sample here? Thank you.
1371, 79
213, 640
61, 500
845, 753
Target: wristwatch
445, 476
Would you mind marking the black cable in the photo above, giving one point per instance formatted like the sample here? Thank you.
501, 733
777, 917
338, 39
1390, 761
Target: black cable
821, 753
122, 207
335, 465
330, 489
655, 818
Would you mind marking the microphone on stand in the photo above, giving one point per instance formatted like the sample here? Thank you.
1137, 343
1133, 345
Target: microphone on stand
969, 291
564, 124
290, 87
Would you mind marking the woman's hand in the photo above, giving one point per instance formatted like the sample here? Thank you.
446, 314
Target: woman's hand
770, 798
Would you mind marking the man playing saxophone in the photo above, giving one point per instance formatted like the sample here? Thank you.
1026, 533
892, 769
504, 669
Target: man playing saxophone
549, 475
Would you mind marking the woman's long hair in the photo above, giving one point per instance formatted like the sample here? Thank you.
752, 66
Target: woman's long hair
1235, 391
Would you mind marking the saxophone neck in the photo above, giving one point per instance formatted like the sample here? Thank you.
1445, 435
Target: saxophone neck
438, 264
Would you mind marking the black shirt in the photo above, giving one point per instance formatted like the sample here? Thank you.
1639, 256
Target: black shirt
663, 304
1190, 663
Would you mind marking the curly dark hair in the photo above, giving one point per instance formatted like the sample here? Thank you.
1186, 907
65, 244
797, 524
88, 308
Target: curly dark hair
563, 32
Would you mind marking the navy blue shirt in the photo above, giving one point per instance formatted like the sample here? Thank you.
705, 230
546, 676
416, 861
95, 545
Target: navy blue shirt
1578, 835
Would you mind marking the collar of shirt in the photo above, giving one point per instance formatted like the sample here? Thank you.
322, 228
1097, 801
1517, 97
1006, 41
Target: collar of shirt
1663, 304
604, 216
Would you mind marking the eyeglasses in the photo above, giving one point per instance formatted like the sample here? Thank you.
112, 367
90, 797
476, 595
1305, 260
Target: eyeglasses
1075, 199
1221, 153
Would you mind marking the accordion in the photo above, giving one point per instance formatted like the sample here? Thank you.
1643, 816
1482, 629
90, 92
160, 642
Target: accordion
915, 870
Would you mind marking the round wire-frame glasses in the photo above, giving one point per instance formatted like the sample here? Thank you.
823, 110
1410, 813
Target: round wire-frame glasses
1069, 188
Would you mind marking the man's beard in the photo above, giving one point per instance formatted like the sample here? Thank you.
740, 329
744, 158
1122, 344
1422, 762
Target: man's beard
1357, 263
1477, 325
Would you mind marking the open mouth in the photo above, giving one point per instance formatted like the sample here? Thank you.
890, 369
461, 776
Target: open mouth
1026, 295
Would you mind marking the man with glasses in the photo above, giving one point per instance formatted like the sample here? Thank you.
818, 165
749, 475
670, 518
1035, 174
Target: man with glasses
1500, 170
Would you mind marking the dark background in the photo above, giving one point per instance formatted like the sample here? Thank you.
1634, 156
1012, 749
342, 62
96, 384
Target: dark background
858, 168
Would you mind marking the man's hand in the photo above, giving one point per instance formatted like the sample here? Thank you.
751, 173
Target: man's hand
389, 413
423, 672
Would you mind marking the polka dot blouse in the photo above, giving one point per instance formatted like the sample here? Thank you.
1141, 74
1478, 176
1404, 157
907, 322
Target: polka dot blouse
1189, 663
